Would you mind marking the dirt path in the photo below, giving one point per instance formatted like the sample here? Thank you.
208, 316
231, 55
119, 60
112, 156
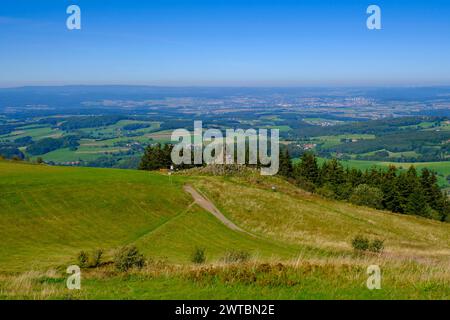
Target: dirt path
206, 204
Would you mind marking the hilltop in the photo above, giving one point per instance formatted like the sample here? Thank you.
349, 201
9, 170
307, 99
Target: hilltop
49, 214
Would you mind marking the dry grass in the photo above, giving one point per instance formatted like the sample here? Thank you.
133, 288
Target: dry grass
337, 277
298, 217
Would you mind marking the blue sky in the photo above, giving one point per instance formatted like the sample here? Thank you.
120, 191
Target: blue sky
249, 43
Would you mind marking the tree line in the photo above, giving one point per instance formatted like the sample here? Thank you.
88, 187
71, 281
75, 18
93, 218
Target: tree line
406, 192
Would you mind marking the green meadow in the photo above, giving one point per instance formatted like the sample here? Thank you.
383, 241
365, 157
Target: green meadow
442, 168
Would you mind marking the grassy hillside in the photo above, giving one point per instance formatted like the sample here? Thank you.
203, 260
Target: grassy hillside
49, 214
301, 249
301, 218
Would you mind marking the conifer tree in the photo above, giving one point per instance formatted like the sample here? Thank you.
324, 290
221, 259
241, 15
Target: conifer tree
285, 168
308, 168
156, 157
433, 194
332, 173
416, 204
390, 190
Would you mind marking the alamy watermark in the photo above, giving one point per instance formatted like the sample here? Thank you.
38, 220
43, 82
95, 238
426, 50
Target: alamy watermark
374, 279
74, 280
373, 22
73, 22
238, 146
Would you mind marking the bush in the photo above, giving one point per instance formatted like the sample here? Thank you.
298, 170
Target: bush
365, 195
83, 259
93, 260
360, 243
376, 246
96, 258
198, 256
127, 258
234, 256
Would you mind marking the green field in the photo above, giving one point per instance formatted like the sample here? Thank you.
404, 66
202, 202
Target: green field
35, 132
330, 141
441, 168
300, 248
101, 141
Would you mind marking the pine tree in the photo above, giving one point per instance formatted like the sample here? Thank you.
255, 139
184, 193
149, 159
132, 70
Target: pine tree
285, 162
374, 176
332, 173
390, 190
416, 204
332, 177
433, 194
156, 157
308, 168
354, 177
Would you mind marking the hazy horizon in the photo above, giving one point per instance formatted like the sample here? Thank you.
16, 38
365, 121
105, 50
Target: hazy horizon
318, 86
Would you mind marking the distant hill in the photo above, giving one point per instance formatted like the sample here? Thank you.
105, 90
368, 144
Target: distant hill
73, 96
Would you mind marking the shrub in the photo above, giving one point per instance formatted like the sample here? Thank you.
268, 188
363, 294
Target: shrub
198, 256
83, 259
360, 243
127, 258
92, 260
368, 196
376, 246
234, 256
96, 258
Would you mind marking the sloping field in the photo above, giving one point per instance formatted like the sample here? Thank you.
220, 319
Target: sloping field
297, 217
49, 214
